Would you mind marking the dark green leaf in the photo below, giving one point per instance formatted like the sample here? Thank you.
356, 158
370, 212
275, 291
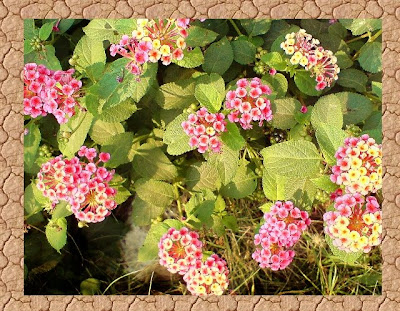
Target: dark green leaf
218, 57
283, 111
243, 51
121, 149
255, 27
198, 36
370, 57
306, 83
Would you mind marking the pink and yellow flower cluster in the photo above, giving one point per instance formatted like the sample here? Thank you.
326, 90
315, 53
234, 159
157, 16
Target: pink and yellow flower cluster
84, 185
307, 52
283, 226
204, 129
249, 103
50, 92
356, 223
181, 251
153, 40
359, 165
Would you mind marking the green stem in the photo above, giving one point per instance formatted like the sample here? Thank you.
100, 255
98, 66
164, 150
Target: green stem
245, 281
359, 38
236, 27
375, 36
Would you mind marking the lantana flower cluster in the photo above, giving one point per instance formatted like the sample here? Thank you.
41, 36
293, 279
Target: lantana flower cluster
356, 223
153, 40
50, 92
283, 226
307, 52
359, 165
204, 129
249, 103
181, 251
84, 185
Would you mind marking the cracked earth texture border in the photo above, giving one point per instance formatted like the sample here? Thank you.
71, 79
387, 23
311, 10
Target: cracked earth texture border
12, 13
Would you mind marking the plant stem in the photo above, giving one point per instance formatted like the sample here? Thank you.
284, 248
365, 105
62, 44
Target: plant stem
359, 38
245, 281
236, 27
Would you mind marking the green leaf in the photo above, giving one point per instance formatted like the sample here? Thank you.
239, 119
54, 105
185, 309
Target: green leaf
356, 107
343, 60
324, 183
45, 31
149, 250
210, 92
315, 27
361, 26
149, 161
198, 36
191, 59
255, 27
232, 137
273, 185
274, 60
244, 52
56, 233
295, 158
373, 126
218, 57
30, 29
101, 131
349, 258
306, 83
90, 57
115, 114
109, 29
45, 57
370, 57
121, 149
113, 92
31, 205
327, 110
226, 163
31, 145
243, 184
203, 213
278, 84
174, 136
78, 126
152, 198
329, 139
202, 176
377, 89
283, 111
301, 191
61, 210
177, 95
230, 222
353, 78
338, 30
122, 194
65, 24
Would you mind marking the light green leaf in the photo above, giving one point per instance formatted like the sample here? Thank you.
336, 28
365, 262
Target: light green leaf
31, 145
306, 83
144, 212
361, 26
226, 163
324, 183
356, 107
218, 57
353, 78
90, 57
122, 194
278, 84
177, 95
370, 57
243, 184
30, 29
273, 185
210, 92
327, 110
101, 131
149, 161
255, 27
301, 191
174, 136
61, 210
78, 126
244, 52
274, 60
45, 31
295, 158
191, 59
155, 192
31, 205
202, 176
283, 111
56, 233
109, 29
232, 137
121, 149
329, 139
198, 36
377, 89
